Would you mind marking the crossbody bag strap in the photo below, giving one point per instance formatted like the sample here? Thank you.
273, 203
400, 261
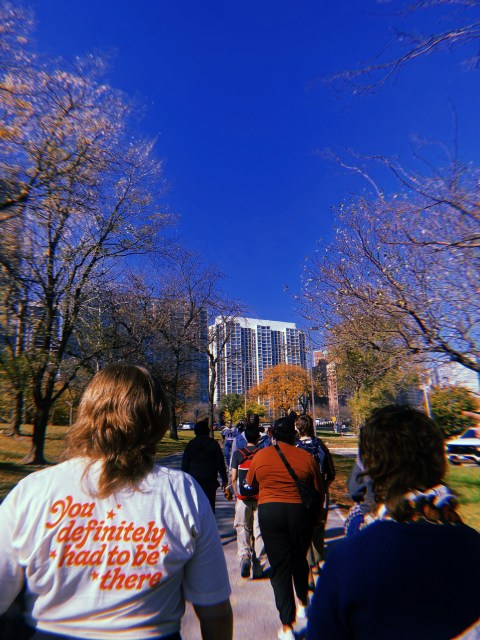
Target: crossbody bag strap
286, 463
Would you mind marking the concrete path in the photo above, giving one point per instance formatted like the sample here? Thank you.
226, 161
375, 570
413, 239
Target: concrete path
254, 612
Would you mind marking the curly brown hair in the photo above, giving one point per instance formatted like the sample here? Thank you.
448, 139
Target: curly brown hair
122, 416
402, 450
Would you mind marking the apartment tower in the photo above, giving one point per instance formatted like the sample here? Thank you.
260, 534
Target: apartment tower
245, 347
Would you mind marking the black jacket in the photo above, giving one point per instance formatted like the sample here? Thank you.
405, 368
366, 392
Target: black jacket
203, 459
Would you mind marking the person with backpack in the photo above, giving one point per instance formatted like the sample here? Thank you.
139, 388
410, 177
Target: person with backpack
240, 441
251, 550
314, 445
318, 449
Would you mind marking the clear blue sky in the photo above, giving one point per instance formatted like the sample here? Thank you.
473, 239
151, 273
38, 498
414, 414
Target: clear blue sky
227, 88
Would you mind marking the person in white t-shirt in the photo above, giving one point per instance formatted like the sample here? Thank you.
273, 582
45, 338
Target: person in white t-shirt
110, 544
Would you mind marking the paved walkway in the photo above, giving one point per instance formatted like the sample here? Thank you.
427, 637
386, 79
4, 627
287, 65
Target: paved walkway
254, 612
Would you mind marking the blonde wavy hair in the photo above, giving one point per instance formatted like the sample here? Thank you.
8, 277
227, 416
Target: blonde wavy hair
123, 415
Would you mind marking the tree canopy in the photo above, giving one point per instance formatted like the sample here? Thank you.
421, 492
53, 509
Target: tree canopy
283, 388
232, 406
81, 194
448, 404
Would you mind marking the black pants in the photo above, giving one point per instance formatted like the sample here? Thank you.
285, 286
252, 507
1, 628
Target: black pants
287, 533
210, 490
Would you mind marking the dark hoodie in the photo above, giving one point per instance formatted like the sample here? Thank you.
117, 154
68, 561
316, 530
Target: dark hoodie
203, 459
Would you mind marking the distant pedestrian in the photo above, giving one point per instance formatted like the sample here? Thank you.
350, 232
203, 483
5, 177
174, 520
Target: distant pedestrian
228, 435
203, 460
285, 522
250, 546
413, 572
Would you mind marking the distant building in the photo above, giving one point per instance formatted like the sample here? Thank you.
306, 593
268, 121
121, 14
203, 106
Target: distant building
251, 346
320, 358
327, 369
455, 374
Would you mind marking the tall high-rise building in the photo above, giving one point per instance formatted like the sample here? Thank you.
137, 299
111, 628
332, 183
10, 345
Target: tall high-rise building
249, 347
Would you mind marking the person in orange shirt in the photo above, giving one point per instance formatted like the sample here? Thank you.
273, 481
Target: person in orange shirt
285, 523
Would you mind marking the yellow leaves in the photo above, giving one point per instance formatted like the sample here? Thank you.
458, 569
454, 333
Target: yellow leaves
282, 386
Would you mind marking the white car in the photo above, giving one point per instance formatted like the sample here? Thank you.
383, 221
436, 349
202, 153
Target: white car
466, 448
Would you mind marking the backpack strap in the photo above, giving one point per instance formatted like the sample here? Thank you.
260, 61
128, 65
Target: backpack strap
286, 463
247, 453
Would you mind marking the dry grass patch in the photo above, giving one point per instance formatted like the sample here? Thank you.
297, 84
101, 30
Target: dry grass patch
14, 449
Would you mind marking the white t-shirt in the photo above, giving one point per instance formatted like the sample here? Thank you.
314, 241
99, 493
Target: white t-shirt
119, 567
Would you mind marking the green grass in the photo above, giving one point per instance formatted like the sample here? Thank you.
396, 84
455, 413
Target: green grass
465, 481
336, 440
13, 450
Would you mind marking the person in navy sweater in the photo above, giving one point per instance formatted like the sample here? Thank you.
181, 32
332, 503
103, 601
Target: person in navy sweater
413, 572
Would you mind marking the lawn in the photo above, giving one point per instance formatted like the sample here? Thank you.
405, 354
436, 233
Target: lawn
13, 450
465, 481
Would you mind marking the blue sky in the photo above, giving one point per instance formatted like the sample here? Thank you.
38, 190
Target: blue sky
229, 91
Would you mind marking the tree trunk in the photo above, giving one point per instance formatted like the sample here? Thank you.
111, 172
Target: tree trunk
36, 455
173, 421
211, 394
17, 415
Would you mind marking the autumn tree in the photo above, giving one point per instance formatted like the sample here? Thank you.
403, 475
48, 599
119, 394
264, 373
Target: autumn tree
408, 259
283, 388
16, 58
163, 317
409, 262
253, 407
373, 369
91, 197
180, 323
232, 406
448, 406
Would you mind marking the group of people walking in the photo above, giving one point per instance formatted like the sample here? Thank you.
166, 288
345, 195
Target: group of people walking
111, 544
274, 530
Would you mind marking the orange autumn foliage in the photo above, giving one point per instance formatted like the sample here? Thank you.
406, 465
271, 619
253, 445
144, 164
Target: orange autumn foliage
282, 386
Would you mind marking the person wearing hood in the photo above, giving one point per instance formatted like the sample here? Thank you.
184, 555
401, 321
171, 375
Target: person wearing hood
203, 460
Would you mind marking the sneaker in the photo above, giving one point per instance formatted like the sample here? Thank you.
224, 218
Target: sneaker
302, 610
257, 570
245, 567
286, 634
